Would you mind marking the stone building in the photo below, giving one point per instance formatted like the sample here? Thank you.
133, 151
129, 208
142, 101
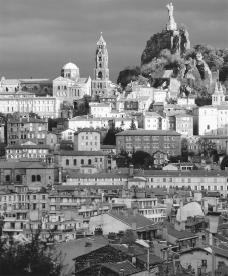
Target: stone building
149, 141
26, 102
87, 140
27, 150
21, 130
101, 85
70, 87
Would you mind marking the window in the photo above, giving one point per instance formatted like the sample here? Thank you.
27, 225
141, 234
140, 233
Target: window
67, 162
7, 178
33, 178
38, 177
18, 178
43, 206
82, 161
89, 162
75, 162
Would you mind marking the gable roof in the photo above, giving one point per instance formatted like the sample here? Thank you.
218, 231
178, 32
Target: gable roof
129, 219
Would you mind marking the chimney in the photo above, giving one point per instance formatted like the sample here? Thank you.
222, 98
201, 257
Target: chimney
131, 170
134, 226
60, 175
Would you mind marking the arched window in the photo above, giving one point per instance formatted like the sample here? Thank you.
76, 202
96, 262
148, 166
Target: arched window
89, 162
18, 178
82, 161
100, 75
67, 162
33, 178
7, 178
38, 178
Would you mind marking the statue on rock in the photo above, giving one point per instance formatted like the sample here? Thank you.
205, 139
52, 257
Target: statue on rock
171, 26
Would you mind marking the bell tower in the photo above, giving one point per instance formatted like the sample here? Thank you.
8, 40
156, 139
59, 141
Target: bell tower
101, 82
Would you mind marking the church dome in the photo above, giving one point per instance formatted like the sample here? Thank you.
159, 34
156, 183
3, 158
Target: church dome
70, 66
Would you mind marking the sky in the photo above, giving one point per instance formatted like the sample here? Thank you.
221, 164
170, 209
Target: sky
37, 37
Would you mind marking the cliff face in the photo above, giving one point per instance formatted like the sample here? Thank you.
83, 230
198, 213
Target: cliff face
176, 41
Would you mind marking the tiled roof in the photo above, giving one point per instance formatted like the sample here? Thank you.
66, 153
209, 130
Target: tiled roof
126, 266
144, 132
180, 235
129, 219
153, 259
22, 165
26, 120
108, 147
81, 153
27, 147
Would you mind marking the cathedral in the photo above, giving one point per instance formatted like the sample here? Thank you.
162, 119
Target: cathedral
70, 87
102, 87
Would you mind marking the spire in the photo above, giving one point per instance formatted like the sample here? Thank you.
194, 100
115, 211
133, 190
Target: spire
216, 91
101, 40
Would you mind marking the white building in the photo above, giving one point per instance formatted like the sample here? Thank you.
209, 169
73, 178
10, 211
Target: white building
25, 102
69, 86
103, 122
154, 121
148, 207
100, 109
213, 119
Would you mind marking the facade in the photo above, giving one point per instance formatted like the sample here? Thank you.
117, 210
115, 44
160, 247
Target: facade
66, 135
35, 174
69, 87
87, 140
149, 141
27, 150
100, 109
154, 121
160, 158
2, 131
101, 85
213, 119
21, 130
200, 259
99, 123
184, 124
26, 102
77, 159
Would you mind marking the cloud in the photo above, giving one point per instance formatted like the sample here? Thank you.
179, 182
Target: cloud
38, 37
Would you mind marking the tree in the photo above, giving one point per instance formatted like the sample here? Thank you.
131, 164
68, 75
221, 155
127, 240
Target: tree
132, 126
33, 258
110, 138
129, 237
224, 163
142, 159
127, 75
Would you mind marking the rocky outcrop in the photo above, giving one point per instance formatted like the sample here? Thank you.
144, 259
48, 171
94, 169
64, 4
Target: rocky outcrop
176, 41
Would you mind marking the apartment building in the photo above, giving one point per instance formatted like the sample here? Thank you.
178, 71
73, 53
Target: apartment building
149, 141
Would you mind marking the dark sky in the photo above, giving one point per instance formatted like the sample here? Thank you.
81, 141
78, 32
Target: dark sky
37, 37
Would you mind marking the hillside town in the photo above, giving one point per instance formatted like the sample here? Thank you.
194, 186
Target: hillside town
125, 178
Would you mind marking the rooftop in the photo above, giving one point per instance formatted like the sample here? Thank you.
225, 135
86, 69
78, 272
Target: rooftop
126, 266
180, 235
148, 133
81, 153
